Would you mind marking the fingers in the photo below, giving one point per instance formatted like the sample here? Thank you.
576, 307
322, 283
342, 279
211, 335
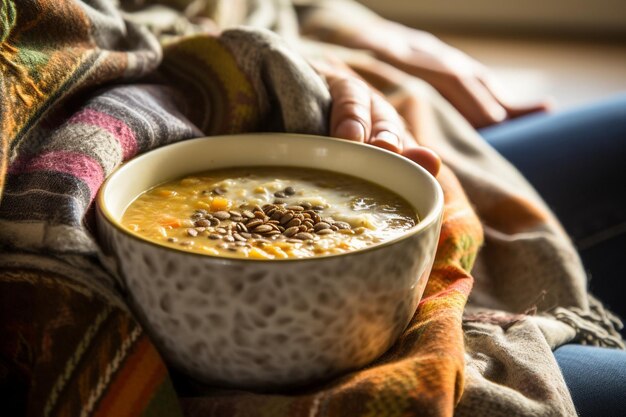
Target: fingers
350, 116
362, 115
512, 110
474, 101
387, 126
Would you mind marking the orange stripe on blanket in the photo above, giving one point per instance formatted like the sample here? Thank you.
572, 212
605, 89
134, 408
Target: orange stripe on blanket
134, 386
514, 214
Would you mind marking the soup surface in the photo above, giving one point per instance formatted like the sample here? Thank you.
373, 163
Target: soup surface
269, 213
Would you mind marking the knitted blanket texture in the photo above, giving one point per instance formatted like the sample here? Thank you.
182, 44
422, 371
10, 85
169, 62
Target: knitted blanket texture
86, 85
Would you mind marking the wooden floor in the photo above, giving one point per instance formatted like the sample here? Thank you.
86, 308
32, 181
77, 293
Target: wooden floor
571, 72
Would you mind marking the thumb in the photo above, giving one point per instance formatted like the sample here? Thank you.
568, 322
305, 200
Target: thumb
424, 157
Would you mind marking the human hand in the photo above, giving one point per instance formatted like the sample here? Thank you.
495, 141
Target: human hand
361, 114
467, 84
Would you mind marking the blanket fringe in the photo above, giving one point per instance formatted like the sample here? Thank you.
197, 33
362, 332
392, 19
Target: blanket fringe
596, 326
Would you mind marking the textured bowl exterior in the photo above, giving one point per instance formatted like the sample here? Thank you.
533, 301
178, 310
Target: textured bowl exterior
269, 324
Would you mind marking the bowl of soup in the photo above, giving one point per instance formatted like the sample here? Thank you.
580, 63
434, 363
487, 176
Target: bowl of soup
271, 260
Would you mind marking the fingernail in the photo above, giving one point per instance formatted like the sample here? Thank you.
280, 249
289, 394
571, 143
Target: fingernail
350, 129
498, 113
388, 137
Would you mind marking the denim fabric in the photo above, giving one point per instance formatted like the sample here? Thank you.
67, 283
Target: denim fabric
596, 378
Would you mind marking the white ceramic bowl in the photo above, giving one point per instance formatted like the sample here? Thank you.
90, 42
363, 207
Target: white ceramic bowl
263, 324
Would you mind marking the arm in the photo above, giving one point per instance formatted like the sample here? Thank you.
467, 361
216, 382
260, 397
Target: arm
468, 85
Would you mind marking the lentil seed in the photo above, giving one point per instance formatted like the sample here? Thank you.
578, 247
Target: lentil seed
253, 223
289, 191
214, 236
324, 232
192, 232
280, 194
286, 217
202, 223
264, 228
221, 215
321, 226
293, 222
342, 225
303, 236
248, 214
220, 230
295, 208
291, 231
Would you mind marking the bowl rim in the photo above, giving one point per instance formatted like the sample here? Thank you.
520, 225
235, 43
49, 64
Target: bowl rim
433, 216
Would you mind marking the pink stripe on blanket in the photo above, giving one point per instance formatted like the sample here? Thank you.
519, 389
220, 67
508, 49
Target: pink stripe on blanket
116, 127
78, 165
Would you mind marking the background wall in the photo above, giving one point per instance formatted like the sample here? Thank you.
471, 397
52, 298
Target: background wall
592, 17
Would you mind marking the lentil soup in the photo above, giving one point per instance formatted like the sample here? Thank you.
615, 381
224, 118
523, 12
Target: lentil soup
269, 213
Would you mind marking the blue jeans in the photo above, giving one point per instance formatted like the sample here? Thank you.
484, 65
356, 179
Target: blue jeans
596, 378
577, 161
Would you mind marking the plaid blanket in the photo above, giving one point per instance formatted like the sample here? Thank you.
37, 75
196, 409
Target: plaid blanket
86, 85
